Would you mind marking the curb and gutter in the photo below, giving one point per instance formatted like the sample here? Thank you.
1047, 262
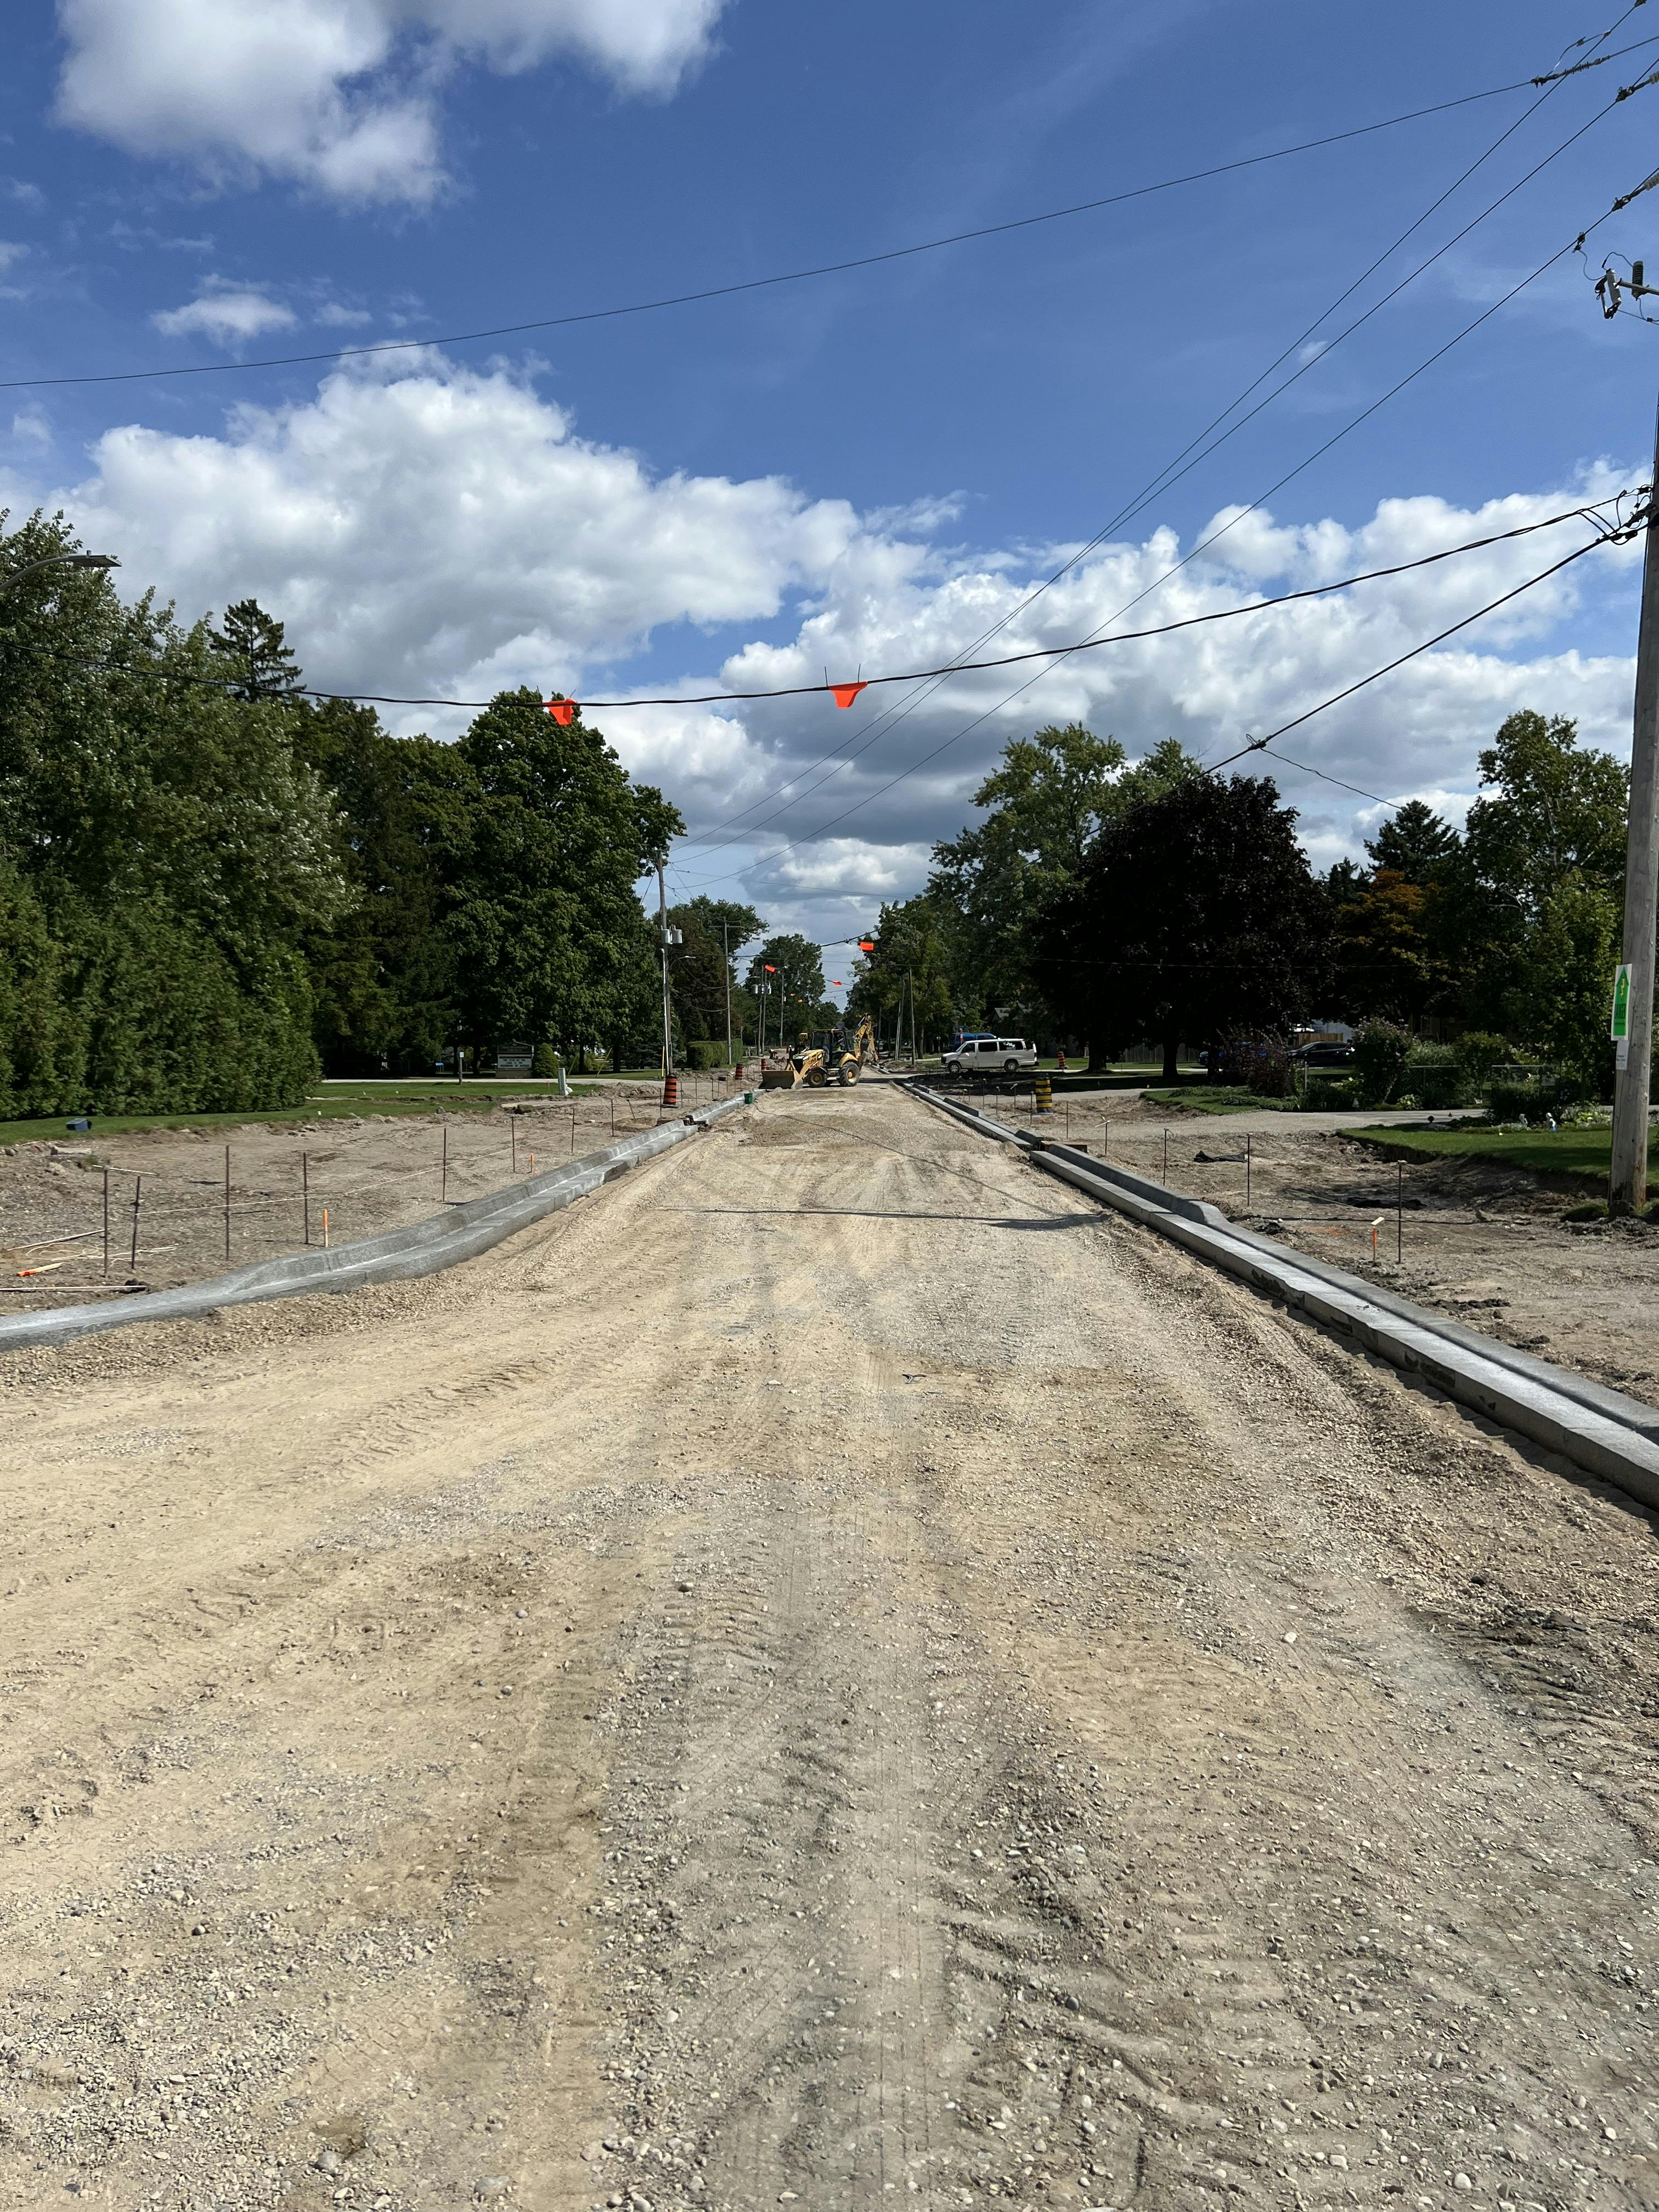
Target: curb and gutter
460, 1232
1603, 1431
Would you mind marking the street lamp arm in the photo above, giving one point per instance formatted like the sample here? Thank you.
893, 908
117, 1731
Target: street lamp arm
57, 560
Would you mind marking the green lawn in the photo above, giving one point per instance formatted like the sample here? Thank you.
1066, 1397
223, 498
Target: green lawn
336, 1101
1584, 1153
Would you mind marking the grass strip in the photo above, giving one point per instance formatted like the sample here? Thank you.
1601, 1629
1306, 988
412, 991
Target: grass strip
338, 1102
1585, 1154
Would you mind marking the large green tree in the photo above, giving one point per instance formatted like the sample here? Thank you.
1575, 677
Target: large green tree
165, 849
1046, 803
700, 974
385, 973
1197, 917
788, 972
1538, 894
906, 983
543, 857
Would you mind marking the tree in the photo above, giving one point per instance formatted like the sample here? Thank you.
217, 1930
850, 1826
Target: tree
1541, 869
1387, 961
1557, 810
252, 642
1048, 801
1414, 844
1560, 999
700, 975
165, 850
543, 857
793, 987
905, 983
384, 974
1197, 916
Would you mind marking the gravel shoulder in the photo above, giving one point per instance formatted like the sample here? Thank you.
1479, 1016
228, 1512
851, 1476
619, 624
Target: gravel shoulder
827, 1671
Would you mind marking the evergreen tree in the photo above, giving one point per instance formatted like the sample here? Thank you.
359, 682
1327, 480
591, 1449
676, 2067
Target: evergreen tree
252, 642
1415, 843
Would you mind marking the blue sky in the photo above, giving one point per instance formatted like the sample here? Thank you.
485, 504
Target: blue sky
871, 467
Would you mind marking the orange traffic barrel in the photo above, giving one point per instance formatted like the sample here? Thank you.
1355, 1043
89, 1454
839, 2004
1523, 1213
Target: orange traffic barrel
671, 1091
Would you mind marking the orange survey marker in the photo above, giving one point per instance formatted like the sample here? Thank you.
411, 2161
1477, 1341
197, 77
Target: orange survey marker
563, 711
844, 694
51, 1267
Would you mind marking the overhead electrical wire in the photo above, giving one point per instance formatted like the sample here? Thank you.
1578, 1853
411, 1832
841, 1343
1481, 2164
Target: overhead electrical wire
822, 268
836, 820
1587, 513
1410, 377
1172, 472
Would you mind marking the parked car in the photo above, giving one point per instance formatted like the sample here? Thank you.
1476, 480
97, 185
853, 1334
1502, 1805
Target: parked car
978, 1056
1336, 1055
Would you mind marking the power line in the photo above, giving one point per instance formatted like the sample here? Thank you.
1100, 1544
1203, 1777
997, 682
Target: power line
1171, 472
953, 668
1259, 744
799, 275
1412, 375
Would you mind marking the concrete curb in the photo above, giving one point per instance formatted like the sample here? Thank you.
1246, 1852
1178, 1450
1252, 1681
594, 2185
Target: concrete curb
1600, 1430
443, 1240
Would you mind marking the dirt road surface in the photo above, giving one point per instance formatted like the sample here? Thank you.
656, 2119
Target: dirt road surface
831, 1673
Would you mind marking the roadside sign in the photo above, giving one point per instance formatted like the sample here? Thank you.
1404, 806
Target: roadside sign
1619, 1029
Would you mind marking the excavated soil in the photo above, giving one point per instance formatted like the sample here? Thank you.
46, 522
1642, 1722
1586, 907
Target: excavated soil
379, 1171
830, 1670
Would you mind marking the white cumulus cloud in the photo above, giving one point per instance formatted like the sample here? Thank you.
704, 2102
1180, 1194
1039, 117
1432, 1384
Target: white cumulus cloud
341, 94
445, 532
225, 312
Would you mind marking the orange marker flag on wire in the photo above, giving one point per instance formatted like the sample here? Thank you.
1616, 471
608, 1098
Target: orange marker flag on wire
844, 694
563, 711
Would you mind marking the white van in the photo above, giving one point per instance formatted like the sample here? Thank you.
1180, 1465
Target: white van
986, 1056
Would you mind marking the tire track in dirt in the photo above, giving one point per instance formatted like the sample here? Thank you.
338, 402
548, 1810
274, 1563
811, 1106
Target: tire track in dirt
779, 1686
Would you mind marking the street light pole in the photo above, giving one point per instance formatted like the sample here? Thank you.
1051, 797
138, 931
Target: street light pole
1628, 1189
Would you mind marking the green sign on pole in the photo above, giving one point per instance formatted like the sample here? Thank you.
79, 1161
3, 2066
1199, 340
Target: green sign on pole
1619, 1029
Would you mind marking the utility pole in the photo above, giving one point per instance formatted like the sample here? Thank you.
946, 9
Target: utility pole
725, 947
662, 927
1628, 1188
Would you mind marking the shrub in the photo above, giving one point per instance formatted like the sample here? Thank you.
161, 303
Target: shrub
1261, 1063
544, 1062
704, 1053
1508, 1097
1329, 1094
1436, 1080
1381, 1051
1478, 1052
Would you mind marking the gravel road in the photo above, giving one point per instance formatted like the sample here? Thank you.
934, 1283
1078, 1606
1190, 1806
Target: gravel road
831, 1670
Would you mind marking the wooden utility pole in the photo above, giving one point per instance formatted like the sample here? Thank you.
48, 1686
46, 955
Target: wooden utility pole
726, 946
1628, 1188
662, 931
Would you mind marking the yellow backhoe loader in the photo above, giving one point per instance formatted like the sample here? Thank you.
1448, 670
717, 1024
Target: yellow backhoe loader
825, 1056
